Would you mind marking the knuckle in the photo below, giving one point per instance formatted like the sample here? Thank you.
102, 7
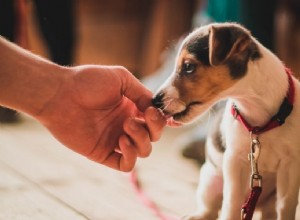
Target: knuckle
123, 70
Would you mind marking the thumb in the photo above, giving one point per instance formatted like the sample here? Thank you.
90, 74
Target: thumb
134, 90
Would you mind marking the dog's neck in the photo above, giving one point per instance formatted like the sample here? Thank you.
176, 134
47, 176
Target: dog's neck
260, 93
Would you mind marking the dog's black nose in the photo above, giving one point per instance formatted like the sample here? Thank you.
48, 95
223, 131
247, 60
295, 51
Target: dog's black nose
157, 101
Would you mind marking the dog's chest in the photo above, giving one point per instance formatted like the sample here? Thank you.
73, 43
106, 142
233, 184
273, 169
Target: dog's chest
270, 157
277, 146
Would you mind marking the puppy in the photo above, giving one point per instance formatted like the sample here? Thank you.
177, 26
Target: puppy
224, 62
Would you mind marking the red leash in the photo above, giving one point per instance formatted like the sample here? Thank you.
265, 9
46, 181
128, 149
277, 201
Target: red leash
145, 199
277, 120
249, 206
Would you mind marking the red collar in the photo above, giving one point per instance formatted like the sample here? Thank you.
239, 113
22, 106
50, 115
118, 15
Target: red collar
278, 119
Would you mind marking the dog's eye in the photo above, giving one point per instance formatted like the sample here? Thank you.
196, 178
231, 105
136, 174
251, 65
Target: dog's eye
188, 68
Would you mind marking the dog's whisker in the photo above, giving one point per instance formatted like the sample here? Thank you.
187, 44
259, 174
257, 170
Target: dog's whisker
165, 98
167, 105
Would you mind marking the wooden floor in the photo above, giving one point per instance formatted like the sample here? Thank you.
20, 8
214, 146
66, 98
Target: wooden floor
40, 179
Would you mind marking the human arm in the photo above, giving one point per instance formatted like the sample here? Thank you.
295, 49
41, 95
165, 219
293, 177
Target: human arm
90, 109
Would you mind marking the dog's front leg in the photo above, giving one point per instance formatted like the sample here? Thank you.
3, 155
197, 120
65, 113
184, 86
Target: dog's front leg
236, 176
209, 194
288, 181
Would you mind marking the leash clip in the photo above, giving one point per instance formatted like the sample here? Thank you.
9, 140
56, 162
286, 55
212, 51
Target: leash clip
256, 180
253, 156
243, 214
255, 148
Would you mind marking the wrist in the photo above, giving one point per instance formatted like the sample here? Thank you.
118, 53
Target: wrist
47, 88
27, 82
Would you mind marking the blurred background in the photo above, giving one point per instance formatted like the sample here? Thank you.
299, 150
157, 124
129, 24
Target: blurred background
40, 179
135, 33
131, 33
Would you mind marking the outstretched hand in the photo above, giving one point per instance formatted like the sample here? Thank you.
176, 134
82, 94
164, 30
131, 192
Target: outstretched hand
104, 113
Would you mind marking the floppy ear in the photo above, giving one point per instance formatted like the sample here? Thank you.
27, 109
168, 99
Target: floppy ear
227, 42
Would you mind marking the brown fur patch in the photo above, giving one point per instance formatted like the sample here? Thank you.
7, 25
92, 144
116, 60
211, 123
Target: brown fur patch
204, 84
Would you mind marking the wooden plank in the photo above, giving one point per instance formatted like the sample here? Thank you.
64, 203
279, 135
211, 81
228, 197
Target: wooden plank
21, 199
94, 190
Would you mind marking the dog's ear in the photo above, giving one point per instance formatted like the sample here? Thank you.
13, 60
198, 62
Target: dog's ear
227, 42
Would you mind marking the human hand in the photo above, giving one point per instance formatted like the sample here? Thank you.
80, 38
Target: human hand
104, 114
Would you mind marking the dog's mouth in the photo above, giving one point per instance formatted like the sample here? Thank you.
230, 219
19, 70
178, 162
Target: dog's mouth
175, 119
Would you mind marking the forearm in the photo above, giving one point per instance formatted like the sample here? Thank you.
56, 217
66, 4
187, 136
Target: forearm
27, 82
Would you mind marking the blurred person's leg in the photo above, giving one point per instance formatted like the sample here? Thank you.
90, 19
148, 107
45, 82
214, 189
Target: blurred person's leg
7, 19
7, 30
56, 20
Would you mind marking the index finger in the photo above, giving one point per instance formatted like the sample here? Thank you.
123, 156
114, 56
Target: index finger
133, 89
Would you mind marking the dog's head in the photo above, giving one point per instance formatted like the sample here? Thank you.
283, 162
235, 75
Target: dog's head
211, 60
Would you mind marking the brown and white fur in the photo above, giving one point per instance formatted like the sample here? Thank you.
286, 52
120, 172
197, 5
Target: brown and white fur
224, 62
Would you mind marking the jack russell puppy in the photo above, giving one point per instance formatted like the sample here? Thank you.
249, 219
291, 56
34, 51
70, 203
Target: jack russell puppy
254, 143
